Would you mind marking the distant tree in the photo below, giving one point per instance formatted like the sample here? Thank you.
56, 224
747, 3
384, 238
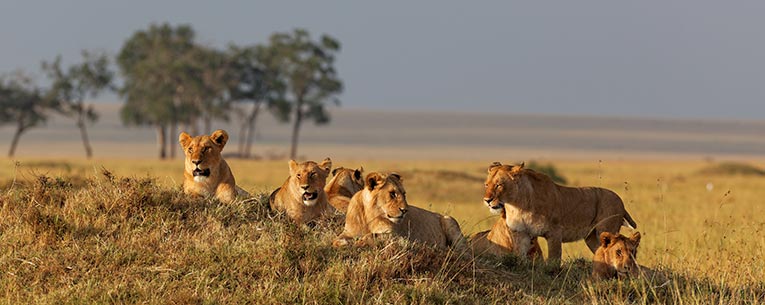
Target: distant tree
156, 65
309, 73
78, 82
23, 104
257, 82
209, 80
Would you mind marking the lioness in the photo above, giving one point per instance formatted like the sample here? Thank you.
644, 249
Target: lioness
302, 195
616, 256
206, 173
344, 184
499, 241
536, 206
381, 208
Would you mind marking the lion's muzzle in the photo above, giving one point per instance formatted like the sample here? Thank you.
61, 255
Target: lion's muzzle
398, 218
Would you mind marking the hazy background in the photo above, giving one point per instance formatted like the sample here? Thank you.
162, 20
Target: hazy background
691, 59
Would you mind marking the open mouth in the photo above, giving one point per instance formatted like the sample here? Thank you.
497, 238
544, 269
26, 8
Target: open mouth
310, 196
496, 207
201, 172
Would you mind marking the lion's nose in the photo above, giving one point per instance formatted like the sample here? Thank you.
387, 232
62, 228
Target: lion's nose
196, 162
488, 200
403, 211
304, 186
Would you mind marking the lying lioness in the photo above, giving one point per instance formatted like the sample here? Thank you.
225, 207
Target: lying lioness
499, 241
302, 195
344, 184
616, 256
381, 208
206, 173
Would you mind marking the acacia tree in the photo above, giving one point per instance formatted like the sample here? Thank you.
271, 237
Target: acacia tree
209, 81
257, 82
78, 82
23, 104
307, 67
155, 64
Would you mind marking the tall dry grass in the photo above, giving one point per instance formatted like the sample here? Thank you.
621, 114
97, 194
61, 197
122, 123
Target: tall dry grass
114, 231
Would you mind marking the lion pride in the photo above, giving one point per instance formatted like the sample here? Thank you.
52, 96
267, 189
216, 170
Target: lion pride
302, 195
616, 256
381, 208
536, 206
344, 184
206, 173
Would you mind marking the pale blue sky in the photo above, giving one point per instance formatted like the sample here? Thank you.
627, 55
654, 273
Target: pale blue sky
683, 58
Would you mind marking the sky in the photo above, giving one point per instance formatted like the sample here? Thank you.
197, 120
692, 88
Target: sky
674, 59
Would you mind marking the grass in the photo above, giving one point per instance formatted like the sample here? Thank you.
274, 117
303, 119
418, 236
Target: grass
119, 231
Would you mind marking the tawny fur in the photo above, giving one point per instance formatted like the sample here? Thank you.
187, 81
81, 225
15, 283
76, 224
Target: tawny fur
206, 151
616, 256
344, 184
381, 208
305, 178
536, 206
499, 242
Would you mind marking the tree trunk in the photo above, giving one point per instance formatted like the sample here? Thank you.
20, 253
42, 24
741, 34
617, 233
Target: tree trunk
15, 141
242, 136
161, 139
173, 127
251, 120
296, 129
84, 135
208, 124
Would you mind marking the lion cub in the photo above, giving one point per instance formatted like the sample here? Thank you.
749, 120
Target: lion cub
302, 195
344, 184
206, 173
616, 256
381, 208
499, 241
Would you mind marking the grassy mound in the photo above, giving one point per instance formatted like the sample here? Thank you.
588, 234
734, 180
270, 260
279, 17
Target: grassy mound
732, 168
128, 240
548, 169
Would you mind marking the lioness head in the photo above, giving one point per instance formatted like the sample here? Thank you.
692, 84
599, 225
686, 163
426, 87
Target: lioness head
203, 153
349, 179
310, 178
385, 196
503, 184
620, 252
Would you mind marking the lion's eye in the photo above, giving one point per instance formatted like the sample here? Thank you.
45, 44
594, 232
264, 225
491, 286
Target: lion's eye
298, 176
496, 186
486, 185
619, 253
190, 150
313, 175
393, 195
205, 149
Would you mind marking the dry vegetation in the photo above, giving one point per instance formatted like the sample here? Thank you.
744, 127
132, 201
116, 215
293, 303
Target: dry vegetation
73, 232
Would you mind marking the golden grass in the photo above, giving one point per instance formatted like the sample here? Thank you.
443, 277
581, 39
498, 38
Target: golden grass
88, 238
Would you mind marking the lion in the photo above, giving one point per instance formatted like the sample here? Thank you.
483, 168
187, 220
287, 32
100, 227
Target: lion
381, 208
536, 206
616, 256
206, 173
302, 195
499, 241
344, 184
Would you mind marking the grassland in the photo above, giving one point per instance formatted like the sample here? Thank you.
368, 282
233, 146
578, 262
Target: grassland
120, 231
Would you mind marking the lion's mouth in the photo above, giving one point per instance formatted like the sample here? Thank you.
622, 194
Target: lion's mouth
201, 172
310, 196
395, 219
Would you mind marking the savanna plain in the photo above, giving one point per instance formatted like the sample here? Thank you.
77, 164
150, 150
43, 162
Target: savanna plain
120, 230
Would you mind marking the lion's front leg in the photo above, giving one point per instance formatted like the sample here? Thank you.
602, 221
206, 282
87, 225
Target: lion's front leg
521, 243
554, 248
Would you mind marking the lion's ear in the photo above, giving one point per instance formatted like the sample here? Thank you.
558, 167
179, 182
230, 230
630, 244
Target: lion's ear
635, 238
493, 165
518, 168
334, 171
606, 238
220, 137
374, 179
396, 176
184, 139
326, 164
357, 173
293, 166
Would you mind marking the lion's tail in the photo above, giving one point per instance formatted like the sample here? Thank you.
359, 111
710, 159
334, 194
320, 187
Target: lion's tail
628, 221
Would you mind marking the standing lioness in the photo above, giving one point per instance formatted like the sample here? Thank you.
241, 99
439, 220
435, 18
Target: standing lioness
206, 173
302, 196
536, 206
